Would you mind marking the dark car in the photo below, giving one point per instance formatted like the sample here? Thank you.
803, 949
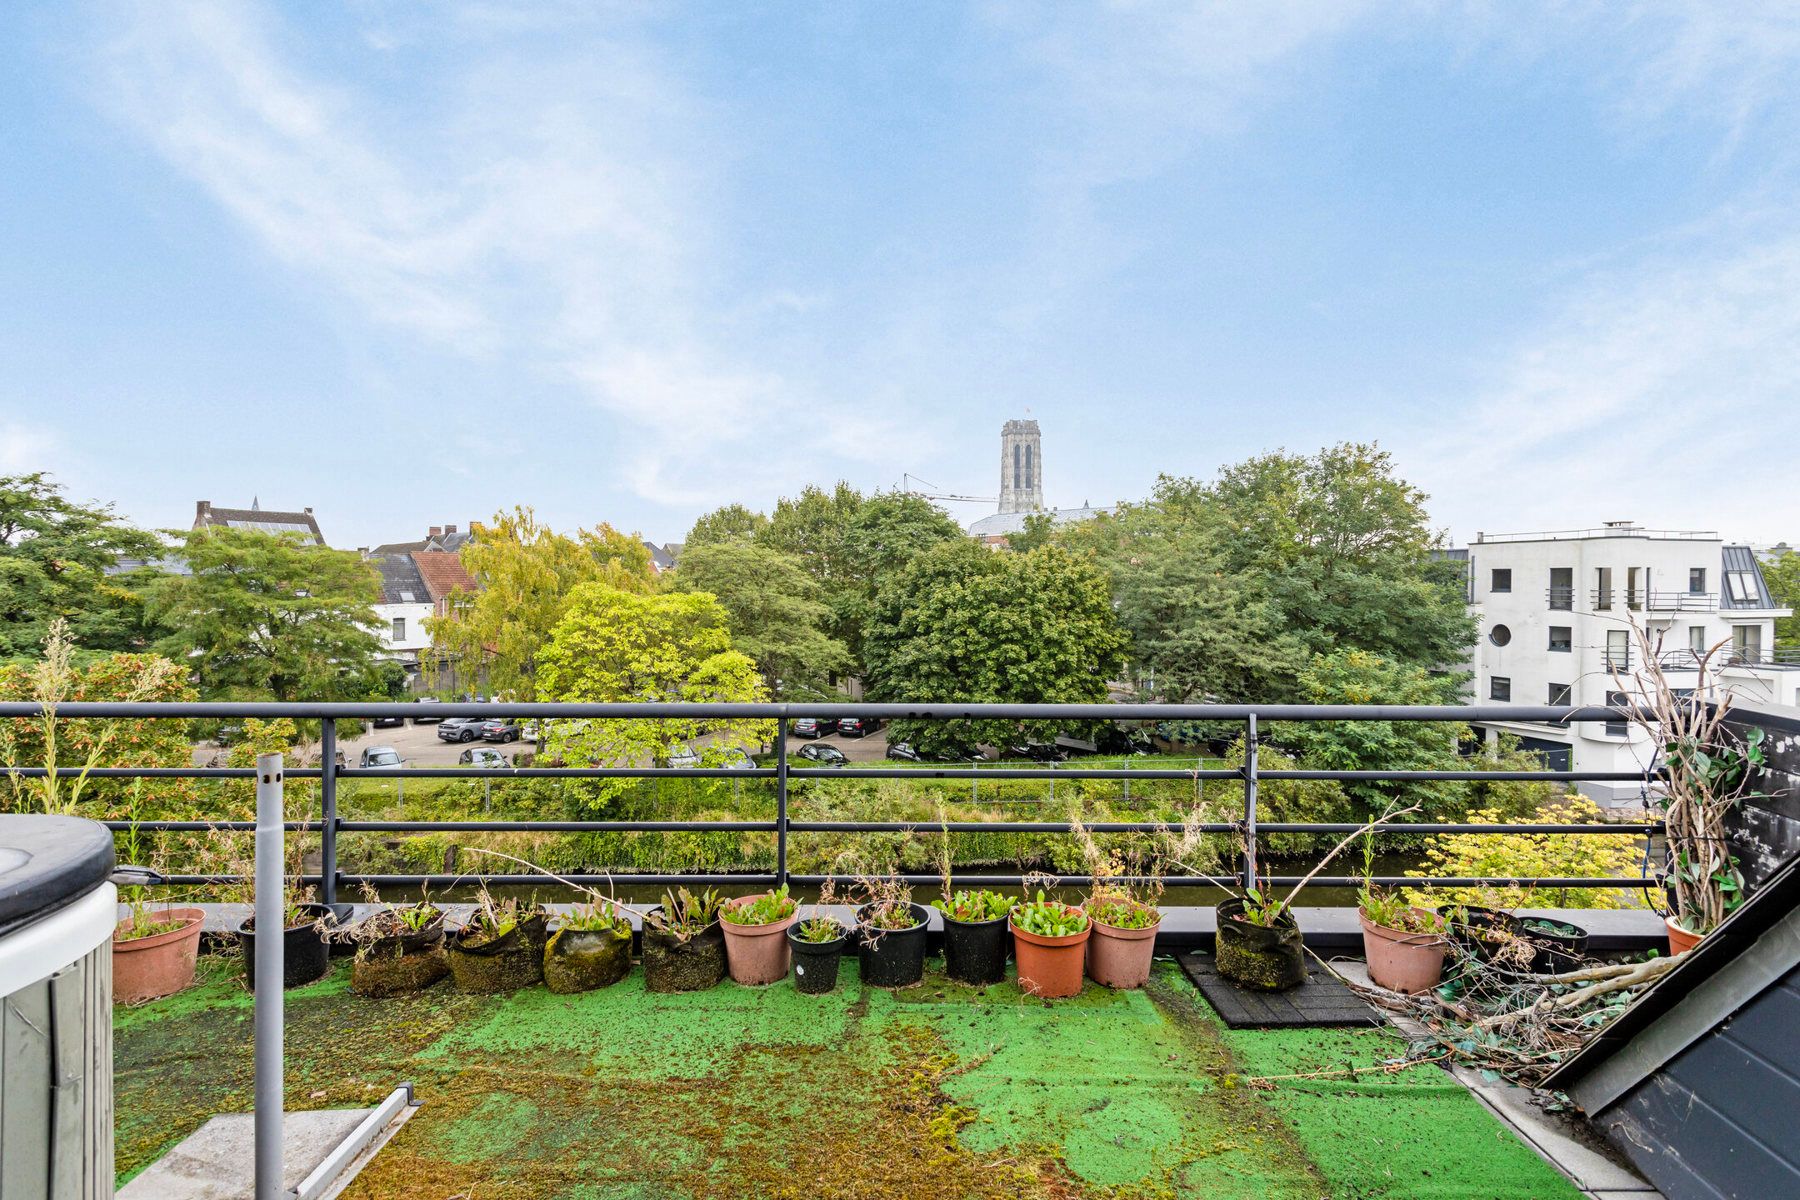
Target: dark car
460, 729
903, 752
389, 722
501, 729
828, 756
422, 719
858, 726
813, 727
1036, 752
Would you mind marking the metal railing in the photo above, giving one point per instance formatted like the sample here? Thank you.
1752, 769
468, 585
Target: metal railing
330, 825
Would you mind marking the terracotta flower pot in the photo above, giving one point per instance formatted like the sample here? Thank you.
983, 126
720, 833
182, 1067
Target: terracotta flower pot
1050, 966
1400, 961
1680, 940
1120, 958
757, 955
149, 968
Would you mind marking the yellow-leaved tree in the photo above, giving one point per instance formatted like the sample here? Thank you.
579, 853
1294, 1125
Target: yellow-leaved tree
613, 646
1533, 856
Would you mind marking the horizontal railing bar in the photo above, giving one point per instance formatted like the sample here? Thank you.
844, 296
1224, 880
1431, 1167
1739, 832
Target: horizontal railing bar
556, 772
546, 881
1350, 881
160, 772
988, 775
555, 826
924, 826
353, 710
971, 880
1465, 776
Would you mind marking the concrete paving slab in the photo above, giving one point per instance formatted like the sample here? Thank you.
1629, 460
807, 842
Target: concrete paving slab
218, 1160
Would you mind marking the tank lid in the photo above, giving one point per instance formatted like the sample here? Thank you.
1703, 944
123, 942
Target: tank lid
45, 862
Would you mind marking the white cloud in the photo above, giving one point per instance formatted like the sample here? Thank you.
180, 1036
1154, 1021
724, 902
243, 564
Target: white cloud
24, 447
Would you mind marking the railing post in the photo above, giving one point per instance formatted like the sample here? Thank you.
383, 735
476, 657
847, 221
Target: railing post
1250, 802
781, 801
267, 1017
328, 816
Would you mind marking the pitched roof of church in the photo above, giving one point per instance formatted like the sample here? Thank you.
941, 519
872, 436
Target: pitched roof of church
259, 518
1002, 524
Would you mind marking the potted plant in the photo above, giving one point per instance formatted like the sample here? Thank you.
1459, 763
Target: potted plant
755, 928
398, 950
1557, 945
1404, 945
305, 952
153, 953
975, 935
1708, 770
890, 934
589, 949
1488, 935
684, 951
1124, 940
500, 948
1050, 942
817, 946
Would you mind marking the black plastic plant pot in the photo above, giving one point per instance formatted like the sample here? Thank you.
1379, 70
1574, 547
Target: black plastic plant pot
1259, 957
815, 963
1481, 931
892, 958
674, 965
305, 954
975, 951
1558, 945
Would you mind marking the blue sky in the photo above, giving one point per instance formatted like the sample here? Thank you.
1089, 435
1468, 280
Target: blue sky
409, 263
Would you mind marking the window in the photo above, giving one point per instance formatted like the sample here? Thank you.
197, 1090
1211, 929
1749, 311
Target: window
1616, 728
1602, 588
1618, 650
1696, 581
1746, 643
1742, 587
1016, 475
1562, 588
1634, 587
1499, 635
1562, 638
1697, 641
1029, 478
1499, 688
1501, 580
1560, 693
399, 629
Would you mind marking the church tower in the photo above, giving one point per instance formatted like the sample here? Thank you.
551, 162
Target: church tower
1021, 468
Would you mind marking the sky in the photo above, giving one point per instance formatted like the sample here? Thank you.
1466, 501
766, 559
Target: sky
411, 263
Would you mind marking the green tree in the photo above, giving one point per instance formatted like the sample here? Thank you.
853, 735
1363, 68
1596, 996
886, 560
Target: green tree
887, 531
264, 615
961, 623
732, 523
55, 555
1783, 577
616, 646
776, 617
525, 573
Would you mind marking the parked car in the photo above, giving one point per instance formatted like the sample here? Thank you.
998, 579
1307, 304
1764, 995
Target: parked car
1035, 751
459, 729
481, 756
501, 729
532, 732
395, 722
681, 756
858, 726
423, 719
827, 756
813, 727
738, 759
380, 758
904, 752
228, 735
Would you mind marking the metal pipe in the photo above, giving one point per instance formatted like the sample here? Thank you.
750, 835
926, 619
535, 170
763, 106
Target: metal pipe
328, 818
781, 803
1250, 802
267, 1020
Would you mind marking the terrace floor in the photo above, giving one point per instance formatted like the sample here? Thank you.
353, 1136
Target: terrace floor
938, 1091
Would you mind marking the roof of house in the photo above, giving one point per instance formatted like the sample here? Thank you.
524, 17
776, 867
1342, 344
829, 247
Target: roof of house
443, 573
401, 582
264, 520
1742, 560
660, 558
1002, 524
446, 537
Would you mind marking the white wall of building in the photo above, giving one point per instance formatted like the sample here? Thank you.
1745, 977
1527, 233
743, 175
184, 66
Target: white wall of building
414, 638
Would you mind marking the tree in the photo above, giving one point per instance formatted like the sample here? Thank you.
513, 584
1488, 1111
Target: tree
961, 623
615, 646
55, 556
732, 523
265, 615
525, 573
775, 615
887, 531
1782, 574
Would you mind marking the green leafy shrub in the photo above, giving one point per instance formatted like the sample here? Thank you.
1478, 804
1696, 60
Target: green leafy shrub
974, 906
766, 909
1049, 918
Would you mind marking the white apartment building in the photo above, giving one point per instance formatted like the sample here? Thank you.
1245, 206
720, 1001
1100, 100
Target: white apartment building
400, 616
1556, 612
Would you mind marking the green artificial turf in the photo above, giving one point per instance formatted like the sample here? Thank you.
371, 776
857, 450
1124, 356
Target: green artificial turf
937, 1091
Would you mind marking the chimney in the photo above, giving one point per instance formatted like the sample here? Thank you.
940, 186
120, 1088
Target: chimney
449, 529
202, 510
307, 511
362, 551
436, 531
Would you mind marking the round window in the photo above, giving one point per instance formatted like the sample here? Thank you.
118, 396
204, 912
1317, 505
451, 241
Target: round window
1499, 635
